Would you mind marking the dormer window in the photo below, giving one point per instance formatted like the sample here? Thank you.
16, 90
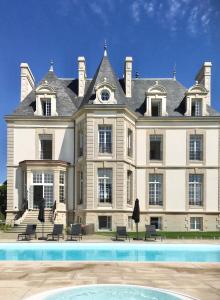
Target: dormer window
105, 95
156, 108
196, 107
156, 98
46, 106
196, 101
45, 101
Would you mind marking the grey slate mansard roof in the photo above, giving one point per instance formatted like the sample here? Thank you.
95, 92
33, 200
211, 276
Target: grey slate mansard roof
68, 102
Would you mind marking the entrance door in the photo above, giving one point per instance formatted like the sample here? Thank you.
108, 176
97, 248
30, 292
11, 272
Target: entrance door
38, 194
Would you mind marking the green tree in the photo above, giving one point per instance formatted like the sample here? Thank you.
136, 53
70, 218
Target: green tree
3, 198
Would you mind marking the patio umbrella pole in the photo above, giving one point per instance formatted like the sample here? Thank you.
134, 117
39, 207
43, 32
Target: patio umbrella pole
41, 217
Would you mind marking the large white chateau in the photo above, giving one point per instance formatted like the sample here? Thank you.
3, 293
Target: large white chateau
92, 146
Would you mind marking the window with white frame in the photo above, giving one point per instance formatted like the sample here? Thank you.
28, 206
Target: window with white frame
105, 138
62, 186
46, 143
156, 147
196, 147
46, 106
195, 189
155, 189
156, 107
105, 222
129, 187
130, 142
157, 222
130, 223
44, 179
81, 187
80, 142
105, 185
196, 107
196, 223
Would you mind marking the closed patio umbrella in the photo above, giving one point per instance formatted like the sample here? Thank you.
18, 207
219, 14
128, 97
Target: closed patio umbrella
41, 215
136, 216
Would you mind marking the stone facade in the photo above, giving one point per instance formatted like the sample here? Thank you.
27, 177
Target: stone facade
100, 150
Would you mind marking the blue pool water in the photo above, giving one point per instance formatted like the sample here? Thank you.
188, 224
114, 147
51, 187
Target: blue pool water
109, 292
109, 252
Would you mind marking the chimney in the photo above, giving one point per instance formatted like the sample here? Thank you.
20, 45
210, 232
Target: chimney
27, 80
81, 75
128, 75
204, 77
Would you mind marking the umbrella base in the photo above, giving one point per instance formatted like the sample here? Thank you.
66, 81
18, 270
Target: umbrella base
137, 239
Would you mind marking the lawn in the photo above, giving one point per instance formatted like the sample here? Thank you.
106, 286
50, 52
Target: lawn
174, 235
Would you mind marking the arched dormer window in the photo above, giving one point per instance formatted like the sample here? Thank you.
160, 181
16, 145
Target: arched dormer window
45, 101
196, 100
156, 97
105, 93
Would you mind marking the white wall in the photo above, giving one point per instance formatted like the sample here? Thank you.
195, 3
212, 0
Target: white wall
64, 145
175, 190
212, 190
175, 147
212, 147
141, 141
24, 144
141, 188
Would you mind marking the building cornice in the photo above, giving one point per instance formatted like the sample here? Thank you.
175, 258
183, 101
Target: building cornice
47, 163
12, 118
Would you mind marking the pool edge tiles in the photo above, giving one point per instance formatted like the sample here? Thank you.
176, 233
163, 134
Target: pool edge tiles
48, 295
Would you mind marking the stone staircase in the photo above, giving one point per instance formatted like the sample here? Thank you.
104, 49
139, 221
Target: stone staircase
32, 218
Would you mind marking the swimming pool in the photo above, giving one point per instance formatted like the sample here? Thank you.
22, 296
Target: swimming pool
109, 252
109, 292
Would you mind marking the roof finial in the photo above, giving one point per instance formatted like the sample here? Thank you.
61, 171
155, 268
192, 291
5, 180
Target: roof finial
174, 72
105, 48
51, 66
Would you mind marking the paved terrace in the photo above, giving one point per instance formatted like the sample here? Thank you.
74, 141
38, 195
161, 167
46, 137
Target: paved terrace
19, 280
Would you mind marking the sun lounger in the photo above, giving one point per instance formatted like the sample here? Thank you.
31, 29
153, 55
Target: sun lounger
29, 233
75, 232
57, 233
121, 233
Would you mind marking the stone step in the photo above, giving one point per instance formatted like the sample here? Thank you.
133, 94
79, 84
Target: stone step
19, 229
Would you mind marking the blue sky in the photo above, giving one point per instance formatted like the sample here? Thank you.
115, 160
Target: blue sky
157, 33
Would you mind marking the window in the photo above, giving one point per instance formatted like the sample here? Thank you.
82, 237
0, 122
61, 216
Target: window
62, 186
130, 142
130, 223
105, 139
155, 108
196, 147
44, 179
105, 185
81, 187
195, 189
129, 187
155, 189
46, 146
46, 106
105, 95
105, 223
157, 222
80, 143
196, 108
196, 223
156, 147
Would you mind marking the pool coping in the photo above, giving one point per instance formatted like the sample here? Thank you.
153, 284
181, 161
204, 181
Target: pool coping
52, 291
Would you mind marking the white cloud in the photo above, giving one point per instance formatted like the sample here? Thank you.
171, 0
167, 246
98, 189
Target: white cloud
194, 15
135, 9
